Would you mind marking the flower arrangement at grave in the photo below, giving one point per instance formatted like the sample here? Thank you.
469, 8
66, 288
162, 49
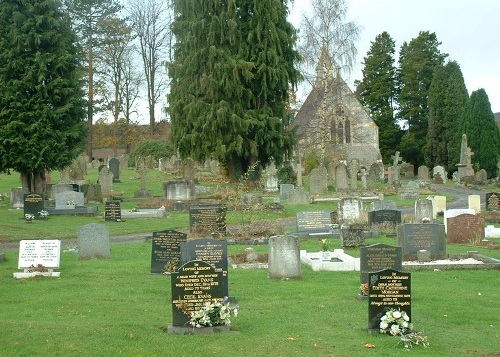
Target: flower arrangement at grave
171, 266
38, 268
213, 313
397, 323
363, 289
43, 214
71, 203
324, 245
29, 217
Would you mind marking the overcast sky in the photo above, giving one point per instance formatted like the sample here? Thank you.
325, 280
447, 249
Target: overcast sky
469, 33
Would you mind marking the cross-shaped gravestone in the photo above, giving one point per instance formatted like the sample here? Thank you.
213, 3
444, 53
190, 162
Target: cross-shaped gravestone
468, 154
389, 175
395, 166
299, 170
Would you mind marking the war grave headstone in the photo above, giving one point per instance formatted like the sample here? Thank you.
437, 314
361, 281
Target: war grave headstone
493, 201
387, 289
112, 211
114, 168
475, 203
423, 173
318, 181
166, 251
33, 205
180, 190
465, 228
423, 210
38, 257
211, 251
194, 284
449, 213
314, 223
93, 241
341, 179
414, 237
285, 189
207, 219
378, 257
284, 257
384, 217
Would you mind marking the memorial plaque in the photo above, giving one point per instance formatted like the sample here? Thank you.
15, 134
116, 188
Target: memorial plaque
212, 251
44, 252
314, 222
379, 257
112, 211
207, 219
166, 251
387, 289
423, 236
33, 204
465, 228
194, 284
493, 201
384, 216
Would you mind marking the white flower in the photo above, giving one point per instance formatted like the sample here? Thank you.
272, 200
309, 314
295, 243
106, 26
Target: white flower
383, 318
383, 325
405, 324
405, 317
396, 314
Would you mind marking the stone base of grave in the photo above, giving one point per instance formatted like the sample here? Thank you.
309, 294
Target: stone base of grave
190, 330
362, 297
54, 274
69, 211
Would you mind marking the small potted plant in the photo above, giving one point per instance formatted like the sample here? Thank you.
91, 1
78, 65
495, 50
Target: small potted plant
29, 217
325, 249
43, 214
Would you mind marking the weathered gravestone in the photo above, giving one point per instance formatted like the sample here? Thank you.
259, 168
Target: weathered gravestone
59, 188
387, 289
351, 235
383, 205
180, 190
36, 253
106, 181
194, 284
69, 199
93, 241
415, 237
16, 198
318, 181
271, 175
33, 205
314, 223
112, 211
284, 257
299, 196
349, 209
439, 174
379, 257
493, 201
409, 191
423, 173
341, 178
207, 219
384, 217
440, 202
481, 176
423, 210
285, 190
166, 251
114, 168
465, 228
211, 251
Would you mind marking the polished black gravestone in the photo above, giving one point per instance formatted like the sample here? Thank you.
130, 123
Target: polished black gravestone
194, 284
207, 219
384, 216
212, 251
112, 211
378, 257
387, 289
414, 237
166, 251
34, 204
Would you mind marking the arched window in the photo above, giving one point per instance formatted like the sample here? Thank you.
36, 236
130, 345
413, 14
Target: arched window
333, 131
347, 131
341, 126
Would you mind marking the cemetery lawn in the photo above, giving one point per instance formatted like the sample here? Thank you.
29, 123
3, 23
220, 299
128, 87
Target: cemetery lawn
114, 307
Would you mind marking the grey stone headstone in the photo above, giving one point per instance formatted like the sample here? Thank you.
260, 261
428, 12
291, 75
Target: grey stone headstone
284, 257
271, 176
114, 168
318, 181
179, 190
410, 191
314, 222
341, 181
285, 189
64, 199
382, 205
59, 188
299, 196
106, 180
423, 173
17, 198
93, 241
422, 236
439, 170
423, 209
349, 209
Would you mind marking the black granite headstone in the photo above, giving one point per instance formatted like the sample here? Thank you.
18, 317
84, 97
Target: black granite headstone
207, 219
33, 204
387, 289
112, 211
492, 201
379, 257
422, 236
384, 216
166, 251
212, 251
194, 284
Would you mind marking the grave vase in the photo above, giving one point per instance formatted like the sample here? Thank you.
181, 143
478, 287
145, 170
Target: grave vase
325, 255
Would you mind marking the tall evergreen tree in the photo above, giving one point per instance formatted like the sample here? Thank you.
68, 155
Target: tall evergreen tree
417, 61
41, 99
377, 92
447, 98
483, 135
232, 70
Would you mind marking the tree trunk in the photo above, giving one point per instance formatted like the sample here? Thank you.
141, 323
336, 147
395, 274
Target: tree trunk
34, 181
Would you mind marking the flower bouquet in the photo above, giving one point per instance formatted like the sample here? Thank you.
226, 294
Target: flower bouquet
214, 313
397, 323
363, 289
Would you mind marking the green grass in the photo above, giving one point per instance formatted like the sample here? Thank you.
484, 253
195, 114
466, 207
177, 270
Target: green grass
116, 307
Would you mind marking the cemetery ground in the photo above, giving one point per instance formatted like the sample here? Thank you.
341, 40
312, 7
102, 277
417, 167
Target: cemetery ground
110, 307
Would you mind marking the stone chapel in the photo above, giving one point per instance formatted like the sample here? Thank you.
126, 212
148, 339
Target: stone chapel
334, 123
